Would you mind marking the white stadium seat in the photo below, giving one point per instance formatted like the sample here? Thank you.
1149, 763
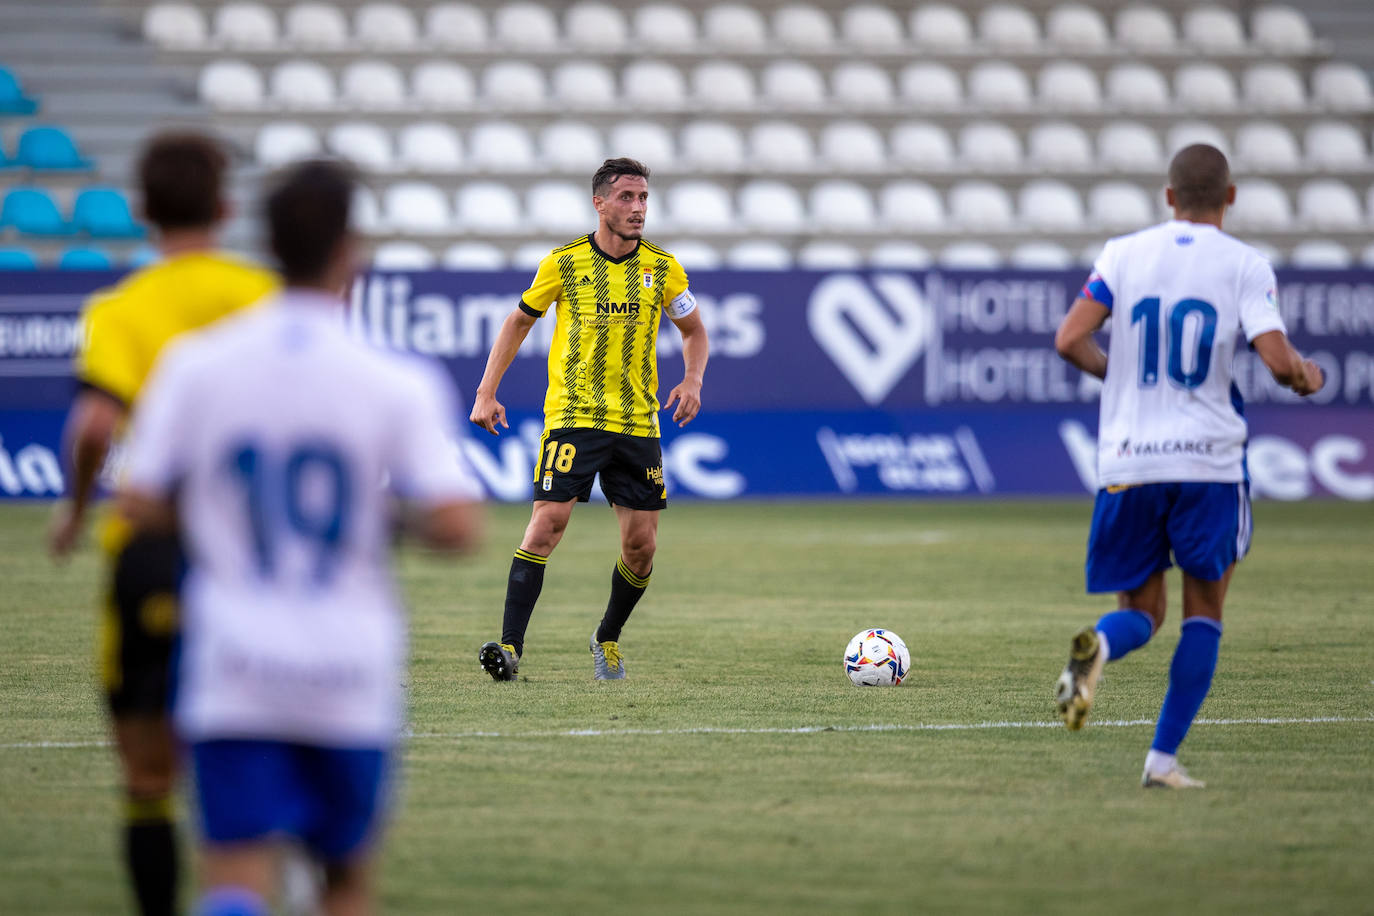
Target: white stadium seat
1145, 28
488, 206
989, 145
1059, 145
921, 144
1067, 86
1367, 256
1213, 29
653, 84
664, 25
1335, 145
1260, 205
781, 146
970, 256
699, 206
734, 26
911, 205
1282, 30
402, 256
999, 85
1341, 87
861, 85
1328, 204
584, 84
771, 206
570, 146
231, 84
365, 145
596, 26
1265, 146
456, 25
1273, 87
1321, 254
1075, 27
647, 141
560, 207
803, 28
385, 25
245, 25
759, 254
720, 84
713, 145
792, 84
429, 146
853, 145
473, 256
367, 213
416, 208
828, 255
1119, 205
373, 85
1204, 87
931, 86
281, 142
1129, 146
980, 205
302, 84
513, 84
1008, 27
1048, 204
1088, 256
528, 26
315, 25
694, 254
527, 255
1040, 256
1137, 87
174, 25
940, 25
871, 27
501, 146
1187, 133
841, 205
900, 255
441, 85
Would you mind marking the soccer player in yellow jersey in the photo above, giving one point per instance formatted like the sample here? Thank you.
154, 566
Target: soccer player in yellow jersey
601, 411
181, 177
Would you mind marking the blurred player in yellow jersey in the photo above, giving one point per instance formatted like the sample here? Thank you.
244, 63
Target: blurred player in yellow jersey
181, 177
609, 289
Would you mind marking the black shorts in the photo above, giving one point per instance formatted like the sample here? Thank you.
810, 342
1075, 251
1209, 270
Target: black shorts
631, 468
141, 625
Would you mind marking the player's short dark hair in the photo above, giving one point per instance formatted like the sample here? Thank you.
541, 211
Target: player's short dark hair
181, 175
612, 169
1199, 176
308, 217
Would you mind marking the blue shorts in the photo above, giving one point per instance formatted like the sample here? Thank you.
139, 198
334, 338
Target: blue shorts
1206, 525
330, 799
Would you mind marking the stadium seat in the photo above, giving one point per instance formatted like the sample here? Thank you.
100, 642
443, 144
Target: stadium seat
989, 145
1040, 256
526, 256
501, 146
1282, 30
1145, 29
429, 146
104, 213
712, 146
653, 85
734, 27
694, 254
1260, 205
871, 27
780, 146
1321, 254
442, 86
280, 142
1067, 86
84, 259
1075, 27
647, 141
1341, 87
315, 25
1008, 27
245, 25
803, 28
49, 148
488, 206
1119, 205
402, 256
456, 25
1137, 87
596, 27
527, 26
385, 25
940, 25
1334, 145
1186, 133
1324, 203
1204, 87
1269, 252
1129, 146
900, 255
1213, 29
560, 207
367, 213
571, 146
699, 206
861, 85
771, 206
853, 145
373, 85
664, 25
719, 84
302, 84
1273, 87
1265, 146
970, 256
1367, 257
792, 84
759, 254
513, 84
828, 255
30, 211
473, 256
174, 25
367, 146
980, 205
998, 85
1049, 204
584, 84
17, 259
911, 206
415, 208
920, 144
1059, 146
931, 86
223, 84
841, 205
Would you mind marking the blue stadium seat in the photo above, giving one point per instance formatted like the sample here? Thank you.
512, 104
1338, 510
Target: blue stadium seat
49, 148
12, 97
17, 259
104, 213
32, 212
85, 259
144, 256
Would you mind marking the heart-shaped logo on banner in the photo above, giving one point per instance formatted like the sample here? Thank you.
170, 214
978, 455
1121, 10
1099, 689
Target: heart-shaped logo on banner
874, 343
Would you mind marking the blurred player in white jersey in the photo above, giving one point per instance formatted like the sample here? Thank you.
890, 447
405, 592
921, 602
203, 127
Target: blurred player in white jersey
277, 443
1171, 437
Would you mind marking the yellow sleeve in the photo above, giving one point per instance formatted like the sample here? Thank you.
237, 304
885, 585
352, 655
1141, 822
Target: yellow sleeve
676, 284
545, 290
107, 355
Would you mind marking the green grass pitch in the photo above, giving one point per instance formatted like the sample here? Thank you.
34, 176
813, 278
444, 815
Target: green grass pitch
504, 809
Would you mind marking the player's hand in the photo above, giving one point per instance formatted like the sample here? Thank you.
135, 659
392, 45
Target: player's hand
1312, 379
687, 396
64, 529
487, 412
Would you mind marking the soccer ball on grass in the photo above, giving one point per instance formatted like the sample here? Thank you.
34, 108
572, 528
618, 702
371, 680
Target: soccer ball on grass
876, 658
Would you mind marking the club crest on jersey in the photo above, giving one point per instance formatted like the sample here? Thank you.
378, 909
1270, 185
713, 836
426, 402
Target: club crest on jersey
648, 279
548, 481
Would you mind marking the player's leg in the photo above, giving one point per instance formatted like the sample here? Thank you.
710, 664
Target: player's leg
148, 757
348, 889
350, 790
238, 879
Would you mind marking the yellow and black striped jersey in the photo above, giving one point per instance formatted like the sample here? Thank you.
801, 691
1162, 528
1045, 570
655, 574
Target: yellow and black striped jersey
603, 365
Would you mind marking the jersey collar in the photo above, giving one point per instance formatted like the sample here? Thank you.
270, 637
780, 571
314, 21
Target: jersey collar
591, 240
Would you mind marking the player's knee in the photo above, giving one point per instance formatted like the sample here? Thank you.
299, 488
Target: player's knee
638, 551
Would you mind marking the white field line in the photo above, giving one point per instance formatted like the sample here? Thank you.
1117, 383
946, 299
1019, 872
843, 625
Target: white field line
797, 730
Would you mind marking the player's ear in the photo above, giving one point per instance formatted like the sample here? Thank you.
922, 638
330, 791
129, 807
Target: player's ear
1169, 198
1230, 195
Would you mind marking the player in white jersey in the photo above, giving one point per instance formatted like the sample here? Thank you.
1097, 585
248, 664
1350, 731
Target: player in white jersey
277, 442
1171, 437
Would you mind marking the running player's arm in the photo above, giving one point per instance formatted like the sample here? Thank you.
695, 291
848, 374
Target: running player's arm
534, 302
1287, 365
429, 473
1074, 340
1264, 328
162, 426
696, 348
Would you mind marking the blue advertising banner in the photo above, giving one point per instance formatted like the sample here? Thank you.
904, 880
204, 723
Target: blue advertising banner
929, 383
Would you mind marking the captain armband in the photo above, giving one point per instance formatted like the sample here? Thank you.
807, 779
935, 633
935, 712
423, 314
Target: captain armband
683, 305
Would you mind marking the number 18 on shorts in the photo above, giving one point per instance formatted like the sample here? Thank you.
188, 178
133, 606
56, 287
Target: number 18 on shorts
631, 468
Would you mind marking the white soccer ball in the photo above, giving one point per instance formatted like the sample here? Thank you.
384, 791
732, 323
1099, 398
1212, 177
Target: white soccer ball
876, 658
